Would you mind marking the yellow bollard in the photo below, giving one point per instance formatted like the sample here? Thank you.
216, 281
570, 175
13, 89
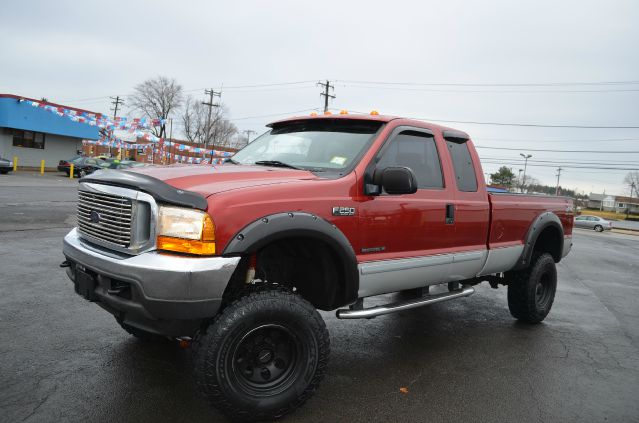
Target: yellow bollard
15, 163
41, 167
71, 171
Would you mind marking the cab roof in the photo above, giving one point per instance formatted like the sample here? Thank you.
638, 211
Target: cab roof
376, 118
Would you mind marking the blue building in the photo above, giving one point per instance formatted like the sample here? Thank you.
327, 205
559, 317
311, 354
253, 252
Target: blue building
33, 134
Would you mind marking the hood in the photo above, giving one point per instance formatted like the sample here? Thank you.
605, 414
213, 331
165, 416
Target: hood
209, 180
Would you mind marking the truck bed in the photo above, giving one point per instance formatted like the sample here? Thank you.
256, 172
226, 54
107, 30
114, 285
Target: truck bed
511, 215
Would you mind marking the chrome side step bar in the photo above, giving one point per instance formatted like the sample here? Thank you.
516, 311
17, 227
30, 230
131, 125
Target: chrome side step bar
368, 313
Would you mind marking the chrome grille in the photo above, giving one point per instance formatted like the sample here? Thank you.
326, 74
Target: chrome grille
106, 217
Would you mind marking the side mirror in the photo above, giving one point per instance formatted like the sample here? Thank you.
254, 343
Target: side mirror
396, 180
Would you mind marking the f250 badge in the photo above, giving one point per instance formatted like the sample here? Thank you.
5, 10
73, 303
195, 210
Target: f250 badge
343, 211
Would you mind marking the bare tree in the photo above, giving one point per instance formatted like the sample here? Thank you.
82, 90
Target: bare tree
194, 120
632, 179
157, 98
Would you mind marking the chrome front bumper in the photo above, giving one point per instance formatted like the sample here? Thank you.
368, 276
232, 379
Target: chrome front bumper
162, 286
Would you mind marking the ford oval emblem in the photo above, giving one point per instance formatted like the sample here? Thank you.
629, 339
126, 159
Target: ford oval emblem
95, 216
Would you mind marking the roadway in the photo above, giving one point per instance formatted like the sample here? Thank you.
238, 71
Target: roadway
64, 359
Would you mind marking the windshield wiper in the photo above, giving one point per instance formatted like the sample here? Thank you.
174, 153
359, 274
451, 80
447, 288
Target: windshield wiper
229, 160
276, 163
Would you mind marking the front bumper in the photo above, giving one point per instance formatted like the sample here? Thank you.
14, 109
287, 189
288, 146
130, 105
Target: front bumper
150, 287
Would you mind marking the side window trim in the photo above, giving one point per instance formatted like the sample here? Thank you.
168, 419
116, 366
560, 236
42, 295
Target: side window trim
421, 132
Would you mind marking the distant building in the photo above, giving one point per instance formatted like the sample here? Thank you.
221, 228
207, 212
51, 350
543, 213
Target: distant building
33, 134
625, 203
614, 203
594, 200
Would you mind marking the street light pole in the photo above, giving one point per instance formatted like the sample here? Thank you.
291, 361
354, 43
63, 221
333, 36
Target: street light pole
519, 179
526, 157
632, 188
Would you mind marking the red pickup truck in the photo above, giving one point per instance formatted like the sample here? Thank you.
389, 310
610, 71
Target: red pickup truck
321, 213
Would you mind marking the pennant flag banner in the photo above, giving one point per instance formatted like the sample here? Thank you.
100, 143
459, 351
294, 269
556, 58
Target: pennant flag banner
98, 119
218, 155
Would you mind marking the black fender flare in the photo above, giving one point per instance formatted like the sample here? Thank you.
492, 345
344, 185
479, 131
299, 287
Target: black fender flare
541, 222
268, 229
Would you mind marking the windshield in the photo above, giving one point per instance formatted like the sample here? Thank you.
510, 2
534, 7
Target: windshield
319, 145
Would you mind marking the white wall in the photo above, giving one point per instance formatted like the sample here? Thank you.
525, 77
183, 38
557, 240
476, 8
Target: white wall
56, 148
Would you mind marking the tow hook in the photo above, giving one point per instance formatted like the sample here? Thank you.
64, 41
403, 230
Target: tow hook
65, 263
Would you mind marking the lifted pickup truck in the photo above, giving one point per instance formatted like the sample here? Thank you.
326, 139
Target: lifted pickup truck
318, 213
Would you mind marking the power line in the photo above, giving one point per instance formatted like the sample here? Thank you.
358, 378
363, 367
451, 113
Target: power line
459, 84
273, 114
560, 151
487, 91
566, 166
558, 140
326, 87
532, 125
586, 162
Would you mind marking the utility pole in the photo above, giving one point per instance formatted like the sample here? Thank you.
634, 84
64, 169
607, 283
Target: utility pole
211, 93
632, 188
326, 86
117, 101
558, 175
526, 157
248, 133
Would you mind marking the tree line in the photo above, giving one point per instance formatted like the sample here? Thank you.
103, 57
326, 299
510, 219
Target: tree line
164, 98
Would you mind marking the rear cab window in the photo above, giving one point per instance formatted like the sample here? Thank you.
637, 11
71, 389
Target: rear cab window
465, 176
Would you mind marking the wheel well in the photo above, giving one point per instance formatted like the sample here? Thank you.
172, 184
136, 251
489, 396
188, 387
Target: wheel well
549, 241
307, 265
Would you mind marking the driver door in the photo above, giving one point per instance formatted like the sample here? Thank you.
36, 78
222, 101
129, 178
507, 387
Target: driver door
405, 239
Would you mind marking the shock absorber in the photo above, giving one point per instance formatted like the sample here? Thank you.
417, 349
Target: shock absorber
250, 272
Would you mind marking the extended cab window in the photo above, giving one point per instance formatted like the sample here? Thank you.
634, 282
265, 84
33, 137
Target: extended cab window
315, 144
417, 151
463, 165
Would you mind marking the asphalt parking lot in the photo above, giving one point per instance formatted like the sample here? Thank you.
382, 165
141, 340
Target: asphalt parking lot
64, 359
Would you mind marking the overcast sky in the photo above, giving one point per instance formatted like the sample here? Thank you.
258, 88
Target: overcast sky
79, 53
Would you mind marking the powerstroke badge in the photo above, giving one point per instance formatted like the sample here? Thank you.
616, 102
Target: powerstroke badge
343, 211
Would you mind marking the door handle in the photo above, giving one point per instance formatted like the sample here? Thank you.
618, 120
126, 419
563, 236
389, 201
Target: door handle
450, 214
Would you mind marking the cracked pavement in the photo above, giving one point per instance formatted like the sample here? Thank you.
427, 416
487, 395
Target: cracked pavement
64, 359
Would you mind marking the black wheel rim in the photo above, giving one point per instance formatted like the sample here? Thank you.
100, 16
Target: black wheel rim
544, 290
265, 359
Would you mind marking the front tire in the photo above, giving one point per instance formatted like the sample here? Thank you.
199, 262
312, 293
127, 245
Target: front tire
531, 292
263, 356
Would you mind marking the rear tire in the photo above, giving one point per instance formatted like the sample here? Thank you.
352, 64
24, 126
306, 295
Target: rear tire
599, 228
531, 292
263, 356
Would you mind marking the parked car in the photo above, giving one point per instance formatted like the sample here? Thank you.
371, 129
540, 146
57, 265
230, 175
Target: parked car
318, 213
6, 166
82, 166
121, 164
64, 165
597, 223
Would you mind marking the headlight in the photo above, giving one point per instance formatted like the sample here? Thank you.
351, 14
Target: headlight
185, 231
